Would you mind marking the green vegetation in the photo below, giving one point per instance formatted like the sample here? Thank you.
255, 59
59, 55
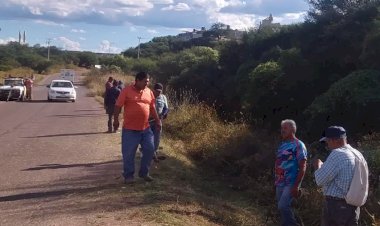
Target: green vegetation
321, 72
229, 97
273, 74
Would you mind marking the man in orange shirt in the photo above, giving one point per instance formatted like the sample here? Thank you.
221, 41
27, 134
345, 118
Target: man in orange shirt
138, 102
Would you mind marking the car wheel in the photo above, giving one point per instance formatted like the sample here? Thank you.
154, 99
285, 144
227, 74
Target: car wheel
49, 99
73, 101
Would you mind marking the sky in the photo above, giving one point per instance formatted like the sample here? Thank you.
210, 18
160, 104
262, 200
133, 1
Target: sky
112, 26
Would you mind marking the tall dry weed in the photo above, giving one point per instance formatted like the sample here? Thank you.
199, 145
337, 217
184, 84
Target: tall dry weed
95, 80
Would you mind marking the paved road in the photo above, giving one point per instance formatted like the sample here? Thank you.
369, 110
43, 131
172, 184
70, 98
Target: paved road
49, 151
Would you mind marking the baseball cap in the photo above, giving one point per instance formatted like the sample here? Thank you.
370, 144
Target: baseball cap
158, 87
333, 132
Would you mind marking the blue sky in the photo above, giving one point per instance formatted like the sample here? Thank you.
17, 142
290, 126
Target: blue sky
114, 25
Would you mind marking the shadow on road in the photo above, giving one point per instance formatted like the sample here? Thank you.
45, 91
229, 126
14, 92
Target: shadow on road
41, 101
47, 194
35, 101
67, 135
78, 116
61, 166
88, 110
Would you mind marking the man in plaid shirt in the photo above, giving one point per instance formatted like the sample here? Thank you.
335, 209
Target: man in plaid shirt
335, 176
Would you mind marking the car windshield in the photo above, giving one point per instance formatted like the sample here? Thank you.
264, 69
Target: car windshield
13, 82
62, 85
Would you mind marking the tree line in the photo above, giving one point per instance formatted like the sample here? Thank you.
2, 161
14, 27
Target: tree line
320, 72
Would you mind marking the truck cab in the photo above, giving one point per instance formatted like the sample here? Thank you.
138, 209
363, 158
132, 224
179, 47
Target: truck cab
13, 89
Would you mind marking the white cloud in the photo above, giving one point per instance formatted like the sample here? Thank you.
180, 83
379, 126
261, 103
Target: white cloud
163, 2
179, 7
108, 47
133, 7
152, 31
69, 44
148, 13
6, 41
35, 10
49, 23
240, 22
289, 18
78, 31
82, 38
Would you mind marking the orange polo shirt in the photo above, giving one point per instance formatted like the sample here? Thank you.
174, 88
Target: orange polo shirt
137, 104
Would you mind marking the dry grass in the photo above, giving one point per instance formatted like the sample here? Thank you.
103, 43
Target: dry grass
17, 72
95, 81
218, 173
182, 193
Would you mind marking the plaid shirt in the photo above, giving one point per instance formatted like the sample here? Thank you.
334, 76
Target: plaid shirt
335, 174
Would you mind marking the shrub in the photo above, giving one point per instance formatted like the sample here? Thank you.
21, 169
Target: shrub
356, 96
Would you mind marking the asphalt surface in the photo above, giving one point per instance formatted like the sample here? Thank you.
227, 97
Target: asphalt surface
50, 151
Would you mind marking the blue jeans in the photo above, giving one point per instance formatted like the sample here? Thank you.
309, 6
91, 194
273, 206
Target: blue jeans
284, 200
156, 134
130, 139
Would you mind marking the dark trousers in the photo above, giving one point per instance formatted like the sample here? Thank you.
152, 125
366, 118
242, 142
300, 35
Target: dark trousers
109, 111
336, 212
110, 123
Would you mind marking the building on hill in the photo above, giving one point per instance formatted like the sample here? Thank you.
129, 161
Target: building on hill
187, 36
234, 35
228, 35
267, 23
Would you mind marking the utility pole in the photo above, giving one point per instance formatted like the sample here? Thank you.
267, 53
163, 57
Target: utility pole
138, 48
48, 47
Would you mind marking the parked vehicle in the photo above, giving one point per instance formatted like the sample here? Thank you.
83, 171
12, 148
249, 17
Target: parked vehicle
13, 89
62, 90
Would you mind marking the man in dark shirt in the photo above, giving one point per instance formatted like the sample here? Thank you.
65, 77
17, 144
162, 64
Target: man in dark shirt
110, 98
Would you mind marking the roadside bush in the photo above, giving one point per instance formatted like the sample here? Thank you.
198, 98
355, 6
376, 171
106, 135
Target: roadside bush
144, 64
356, 96
231, 149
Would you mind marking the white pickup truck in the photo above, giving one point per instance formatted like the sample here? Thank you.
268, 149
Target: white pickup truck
13, 89
68, 74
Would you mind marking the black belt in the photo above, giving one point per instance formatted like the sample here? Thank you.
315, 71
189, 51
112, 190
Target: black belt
334, 198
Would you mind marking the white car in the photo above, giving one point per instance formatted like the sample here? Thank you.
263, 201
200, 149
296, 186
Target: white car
62, 90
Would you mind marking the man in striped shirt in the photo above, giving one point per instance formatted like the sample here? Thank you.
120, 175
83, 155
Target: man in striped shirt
335, 176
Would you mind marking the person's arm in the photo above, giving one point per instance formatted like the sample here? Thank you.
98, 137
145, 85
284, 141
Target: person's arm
116, 114
118, 105
105, 99
301, 174
327, 171
301, 155
153, 113
165, 111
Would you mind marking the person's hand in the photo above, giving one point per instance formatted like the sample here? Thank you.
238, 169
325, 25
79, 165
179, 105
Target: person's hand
158, 126
317, 163
116, 124
295, 192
